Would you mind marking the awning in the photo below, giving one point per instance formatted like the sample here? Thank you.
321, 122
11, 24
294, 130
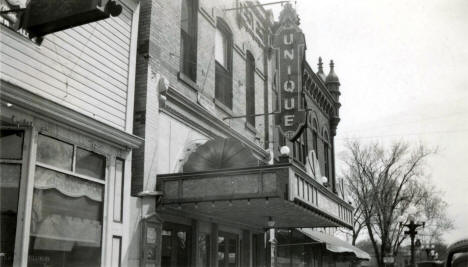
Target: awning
334, 244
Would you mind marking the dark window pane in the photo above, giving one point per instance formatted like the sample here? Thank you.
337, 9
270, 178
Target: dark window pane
176, 245
223, 71
250, 89
188, 47
11, 144
188, 42
327, 164
9, 192
54, 152
90, 164
66, 222
232, 253
223, 86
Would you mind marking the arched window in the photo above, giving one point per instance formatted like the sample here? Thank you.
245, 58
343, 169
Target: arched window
326, 156
223, 56
315, 135
250, 89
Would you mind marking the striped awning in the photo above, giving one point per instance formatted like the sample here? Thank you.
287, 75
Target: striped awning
334, 244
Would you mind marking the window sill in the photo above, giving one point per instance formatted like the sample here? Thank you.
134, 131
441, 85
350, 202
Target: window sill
184, 78
223, 107
250, 127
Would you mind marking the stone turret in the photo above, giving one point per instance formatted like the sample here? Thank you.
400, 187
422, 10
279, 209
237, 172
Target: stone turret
288, 15
333, 82
320, 72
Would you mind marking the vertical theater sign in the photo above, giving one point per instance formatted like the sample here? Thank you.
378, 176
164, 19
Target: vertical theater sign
289, 44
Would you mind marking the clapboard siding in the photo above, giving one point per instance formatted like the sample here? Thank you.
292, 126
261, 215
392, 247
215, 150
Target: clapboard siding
48, 66
56, 60
84, 68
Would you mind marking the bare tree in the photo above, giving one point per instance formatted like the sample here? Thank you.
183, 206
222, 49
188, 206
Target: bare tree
383, 184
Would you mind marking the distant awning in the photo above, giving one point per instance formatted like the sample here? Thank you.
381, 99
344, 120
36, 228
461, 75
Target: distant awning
334, 244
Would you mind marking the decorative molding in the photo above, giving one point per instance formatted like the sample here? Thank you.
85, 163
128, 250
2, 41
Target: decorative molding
207, 16
239, 50
49, 110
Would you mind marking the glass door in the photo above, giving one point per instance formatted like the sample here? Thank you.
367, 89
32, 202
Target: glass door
176, 245
11, 156
228, 250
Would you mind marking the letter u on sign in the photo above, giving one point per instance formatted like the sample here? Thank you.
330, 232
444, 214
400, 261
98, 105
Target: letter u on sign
291, 39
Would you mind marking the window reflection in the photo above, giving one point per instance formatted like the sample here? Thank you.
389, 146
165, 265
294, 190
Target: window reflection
90, 164
227, 250
176, 245
11, 144
54, 152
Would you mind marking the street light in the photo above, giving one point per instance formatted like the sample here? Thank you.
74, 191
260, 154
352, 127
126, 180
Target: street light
412, 226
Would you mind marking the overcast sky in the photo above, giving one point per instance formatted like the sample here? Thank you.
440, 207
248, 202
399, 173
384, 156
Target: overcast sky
403, 67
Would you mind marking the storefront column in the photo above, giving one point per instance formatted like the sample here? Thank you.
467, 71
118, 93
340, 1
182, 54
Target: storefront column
272, 248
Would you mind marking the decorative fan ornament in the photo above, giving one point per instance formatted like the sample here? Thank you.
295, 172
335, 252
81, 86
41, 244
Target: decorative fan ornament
220, 153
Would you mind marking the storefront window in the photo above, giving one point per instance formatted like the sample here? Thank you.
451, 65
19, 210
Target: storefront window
176, 245
90, 164
227, 250
54, 152
67, 211
11, 143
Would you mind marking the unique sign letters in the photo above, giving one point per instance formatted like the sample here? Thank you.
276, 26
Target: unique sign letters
289, 45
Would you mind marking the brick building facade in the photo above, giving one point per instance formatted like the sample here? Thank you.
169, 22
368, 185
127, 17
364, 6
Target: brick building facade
207, 90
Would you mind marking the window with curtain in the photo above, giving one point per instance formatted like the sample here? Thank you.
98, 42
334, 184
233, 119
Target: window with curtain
223, 69
250, 89
188, 38
67, 209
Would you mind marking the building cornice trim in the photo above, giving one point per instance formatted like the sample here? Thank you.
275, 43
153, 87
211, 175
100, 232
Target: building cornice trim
41, 107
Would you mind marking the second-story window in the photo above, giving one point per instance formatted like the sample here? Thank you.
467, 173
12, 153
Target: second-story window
223, 56
250, 89
188, 38
325, 154
300, 148
314, 136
